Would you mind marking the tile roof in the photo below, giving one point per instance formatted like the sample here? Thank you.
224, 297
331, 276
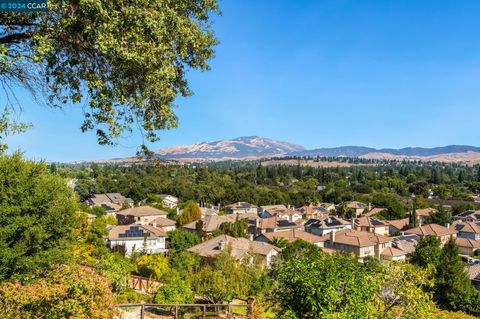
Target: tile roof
431, 229
276, 222
240, 205
239, 247
141, 211
359, 238
466, 227
399, 224
425, 212
393, 252
467, 242
356, 205
327, 222
474, 272
163, 222
125, 232
369, 222
375, 211
292, 235
213, 222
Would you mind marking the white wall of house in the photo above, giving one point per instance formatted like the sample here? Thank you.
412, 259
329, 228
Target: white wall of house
325, 231
153, 246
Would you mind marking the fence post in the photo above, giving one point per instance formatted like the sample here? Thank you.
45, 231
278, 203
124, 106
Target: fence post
142, 312
176, 311
204, 311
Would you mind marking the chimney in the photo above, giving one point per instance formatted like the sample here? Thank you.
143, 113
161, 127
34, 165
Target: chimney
332, 239
238, 203
402, 233
222, 244
369, 206
250, 236
447, 225
178, 210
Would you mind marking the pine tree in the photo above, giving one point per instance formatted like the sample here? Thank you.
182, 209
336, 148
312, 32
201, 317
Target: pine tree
453, 289
413, 215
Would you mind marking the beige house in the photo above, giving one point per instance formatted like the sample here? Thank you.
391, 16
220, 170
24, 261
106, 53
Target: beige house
441, 232
210, 223
423, 215
397, 226
164, 224
467, 229
469, 215
240, 248
317, 212
140, 215
291, 236
467, 246
358, 207
326, 225
372, 225
241, 208
285, 213
274, 224
359, 243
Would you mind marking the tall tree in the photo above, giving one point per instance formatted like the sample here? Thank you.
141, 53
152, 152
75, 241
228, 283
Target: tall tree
37, 215
441, 217
453, 289
427, 252
126, 59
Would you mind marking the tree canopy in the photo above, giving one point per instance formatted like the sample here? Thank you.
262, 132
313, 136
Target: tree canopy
37, 215
126, 60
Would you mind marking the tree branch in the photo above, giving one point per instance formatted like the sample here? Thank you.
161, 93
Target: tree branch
15, 37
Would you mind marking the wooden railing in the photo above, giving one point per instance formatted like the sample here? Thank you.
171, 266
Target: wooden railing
221, 310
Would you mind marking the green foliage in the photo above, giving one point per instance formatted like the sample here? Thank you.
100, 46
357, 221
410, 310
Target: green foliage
63, 292
441, 217
9, 127
236, 229
152, 266
427, 252
453, 289
175, 290
182, 240
128, 61
191, 212
117, 269
37, 215
183, 261
317, 285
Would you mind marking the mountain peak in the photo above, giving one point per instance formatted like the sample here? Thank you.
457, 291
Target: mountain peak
240, 147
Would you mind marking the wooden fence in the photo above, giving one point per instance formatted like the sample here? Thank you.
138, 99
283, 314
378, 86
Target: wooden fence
205, 310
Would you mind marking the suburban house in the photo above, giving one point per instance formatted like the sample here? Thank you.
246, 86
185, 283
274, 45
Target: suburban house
208, 211
241, 208
210, 223
111, 202
441, 232
469, 215
467, 246
164, 224
290, 236
370, 224
474, 274
309, 212
360, 243
169, 201
397, 226
263, 211
406, 243
423, 215
375, 211
136, 238
326, 225
285, 213
140, 215
275, 224
358, 207
328, 206
467, 229
240, 248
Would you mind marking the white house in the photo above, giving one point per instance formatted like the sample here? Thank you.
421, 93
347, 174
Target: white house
326, 225
138, 237
169, 201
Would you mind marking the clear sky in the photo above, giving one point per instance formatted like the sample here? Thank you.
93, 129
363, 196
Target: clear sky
323, 73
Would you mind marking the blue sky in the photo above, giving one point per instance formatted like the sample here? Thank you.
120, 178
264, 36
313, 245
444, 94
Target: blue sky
323, 73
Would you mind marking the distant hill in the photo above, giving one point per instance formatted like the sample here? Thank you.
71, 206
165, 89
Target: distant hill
358, 151
260, 147
241, 147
